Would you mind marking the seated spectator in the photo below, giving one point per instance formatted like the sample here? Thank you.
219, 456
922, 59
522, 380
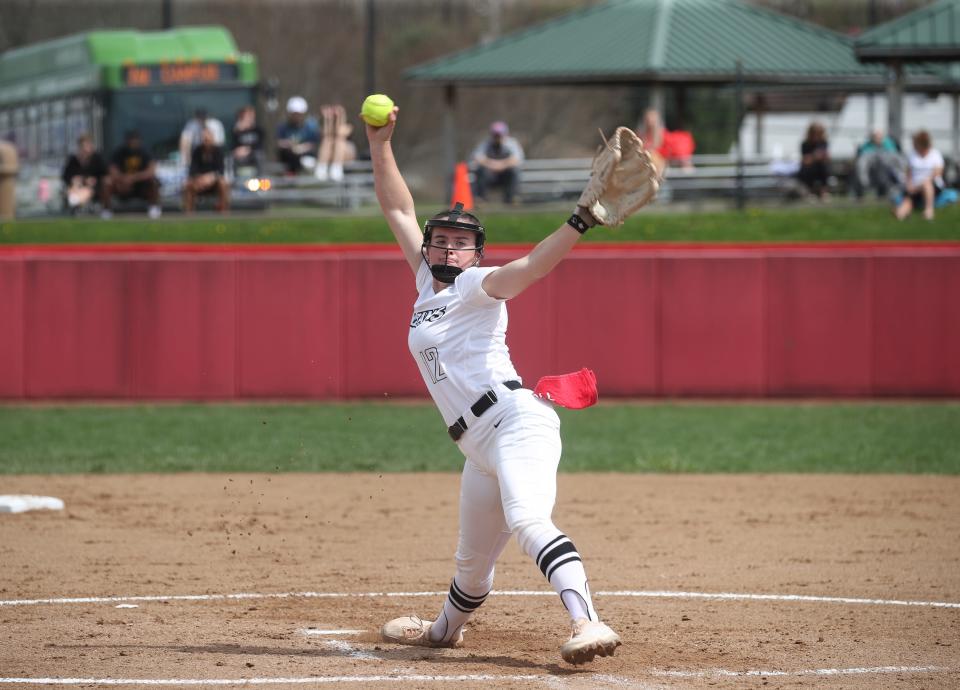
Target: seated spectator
298, 138
83, 176
666, 147
192, 134
247, 140
206, 175
9, 164
335, 146
924, 178
497, 162
651, 130
677, 149
132, 175
879, 165
814, 170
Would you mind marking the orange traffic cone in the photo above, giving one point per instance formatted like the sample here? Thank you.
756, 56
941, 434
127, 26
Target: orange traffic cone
461, 187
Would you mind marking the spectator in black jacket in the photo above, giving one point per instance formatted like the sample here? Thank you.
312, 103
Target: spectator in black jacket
815, 161
83, 176
133, 175
206, 175
247, 141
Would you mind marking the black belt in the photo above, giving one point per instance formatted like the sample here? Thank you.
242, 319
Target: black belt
486, 401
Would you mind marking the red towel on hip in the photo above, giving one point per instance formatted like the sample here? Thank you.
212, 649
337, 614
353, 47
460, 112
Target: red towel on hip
574, 391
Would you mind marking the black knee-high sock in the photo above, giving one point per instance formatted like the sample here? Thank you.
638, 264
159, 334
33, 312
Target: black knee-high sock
457, 610
560, 563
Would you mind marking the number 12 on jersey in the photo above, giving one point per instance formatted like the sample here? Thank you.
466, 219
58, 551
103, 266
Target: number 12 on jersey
431, 360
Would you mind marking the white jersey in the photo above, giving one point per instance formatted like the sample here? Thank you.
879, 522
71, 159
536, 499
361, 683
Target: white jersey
458, 339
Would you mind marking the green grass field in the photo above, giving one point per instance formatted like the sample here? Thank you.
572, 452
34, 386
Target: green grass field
796, 224
894, 437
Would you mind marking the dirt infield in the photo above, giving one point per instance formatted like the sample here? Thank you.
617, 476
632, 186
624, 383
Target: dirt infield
873, 541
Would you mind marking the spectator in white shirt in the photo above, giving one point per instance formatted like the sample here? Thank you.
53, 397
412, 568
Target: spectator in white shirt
924, 177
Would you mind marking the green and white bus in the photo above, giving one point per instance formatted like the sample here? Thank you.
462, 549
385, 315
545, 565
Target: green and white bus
107, 82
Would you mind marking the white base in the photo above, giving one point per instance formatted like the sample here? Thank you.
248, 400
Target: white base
22, 503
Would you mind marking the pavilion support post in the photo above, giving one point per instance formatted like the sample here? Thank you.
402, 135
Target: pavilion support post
895, 84
680, 96
370, 49
759, 108
449, 133
741, 194
955, 129
657, 99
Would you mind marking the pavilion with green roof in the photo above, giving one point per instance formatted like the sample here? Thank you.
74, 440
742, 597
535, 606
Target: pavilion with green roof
927, 35
668, 43
660, 41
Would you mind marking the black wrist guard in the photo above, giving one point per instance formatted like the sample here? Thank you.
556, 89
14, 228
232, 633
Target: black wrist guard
578, 223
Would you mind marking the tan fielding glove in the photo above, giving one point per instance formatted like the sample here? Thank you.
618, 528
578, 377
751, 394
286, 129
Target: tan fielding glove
623, 179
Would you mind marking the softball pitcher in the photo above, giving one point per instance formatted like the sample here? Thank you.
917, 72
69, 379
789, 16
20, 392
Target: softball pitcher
509, 437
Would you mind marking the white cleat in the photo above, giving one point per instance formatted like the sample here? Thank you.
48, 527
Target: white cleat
589, 639
416, 631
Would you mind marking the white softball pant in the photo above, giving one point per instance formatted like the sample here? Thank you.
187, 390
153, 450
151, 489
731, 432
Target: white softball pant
509, 484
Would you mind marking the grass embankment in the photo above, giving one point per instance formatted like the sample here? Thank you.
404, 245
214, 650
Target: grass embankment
780, 437
798, 224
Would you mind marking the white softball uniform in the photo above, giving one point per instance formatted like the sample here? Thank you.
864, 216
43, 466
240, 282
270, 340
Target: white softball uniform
458, 339
512, 450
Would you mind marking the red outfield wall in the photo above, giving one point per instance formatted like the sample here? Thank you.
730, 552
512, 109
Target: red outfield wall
330, 322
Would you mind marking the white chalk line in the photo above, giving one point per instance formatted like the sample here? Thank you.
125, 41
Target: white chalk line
344, 648
734, 596
221, 597
349, 650
411, 678
315, 631
726, 673
713, 596
420, 678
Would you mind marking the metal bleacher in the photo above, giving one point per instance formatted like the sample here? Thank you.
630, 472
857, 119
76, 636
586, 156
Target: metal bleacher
710, 176
352, 192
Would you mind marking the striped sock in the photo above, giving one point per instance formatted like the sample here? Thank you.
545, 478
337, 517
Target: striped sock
457, 610
560, 563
